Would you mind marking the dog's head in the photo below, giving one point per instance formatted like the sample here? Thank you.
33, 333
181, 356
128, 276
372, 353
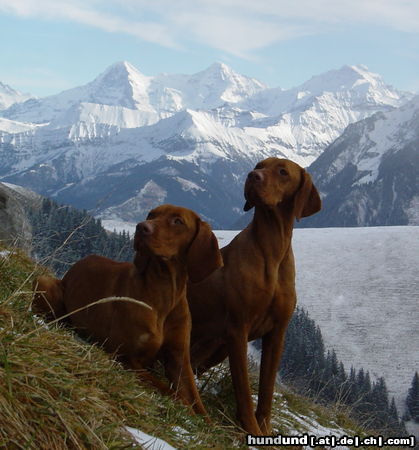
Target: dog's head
172, 232
280, 182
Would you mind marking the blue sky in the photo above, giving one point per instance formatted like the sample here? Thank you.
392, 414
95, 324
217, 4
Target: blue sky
47, 46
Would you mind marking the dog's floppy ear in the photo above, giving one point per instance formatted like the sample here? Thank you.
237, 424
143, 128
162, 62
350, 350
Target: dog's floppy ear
204, 256
307, 199
247, 206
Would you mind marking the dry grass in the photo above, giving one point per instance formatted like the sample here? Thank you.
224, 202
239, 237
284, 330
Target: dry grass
58, 392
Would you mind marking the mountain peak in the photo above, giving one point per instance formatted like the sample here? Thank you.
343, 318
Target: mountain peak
224, 72
345, 78
357, 80
6, 89
9, 96
360, 68
121, 71
122, 67
361, 72
219, 67
217, 71
121, 84
226, 84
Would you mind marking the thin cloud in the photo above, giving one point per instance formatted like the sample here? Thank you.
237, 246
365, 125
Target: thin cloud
73, 11
397, 14
235, 35
237, 27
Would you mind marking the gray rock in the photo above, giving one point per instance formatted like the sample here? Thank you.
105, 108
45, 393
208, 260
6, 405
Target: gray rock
15, 228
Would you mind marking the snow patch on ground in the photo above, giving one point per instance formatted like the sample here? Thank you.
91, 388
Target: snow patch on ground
12, 126
147, 441
187, 185
148, 197
119, 226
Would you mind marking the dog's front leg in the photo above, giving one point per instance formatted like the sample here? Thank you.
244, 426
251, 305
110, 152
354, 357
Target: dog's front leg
176, 358
272, 347
237, 353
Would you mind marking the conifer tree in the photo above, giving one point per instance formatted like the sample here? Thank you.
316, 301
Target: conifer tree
412, 399
313, 371
62, 235
352, 387
393, 423
379, 401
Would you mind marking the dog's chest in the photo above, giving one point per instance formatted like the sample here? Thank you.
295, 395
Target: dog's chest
262, 309
260, 326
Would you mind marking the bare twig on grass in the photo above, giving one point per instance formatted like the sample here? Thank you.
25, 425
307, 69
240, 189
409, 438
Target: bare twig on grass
97, 302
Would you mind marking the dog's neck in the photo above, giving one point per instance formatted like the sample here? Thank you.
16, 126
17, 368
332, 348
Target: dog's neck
152, 270
276, 223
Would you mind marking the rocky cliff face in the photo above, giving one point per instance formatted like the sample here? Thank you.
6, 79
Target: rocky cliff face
15, 228
370, 175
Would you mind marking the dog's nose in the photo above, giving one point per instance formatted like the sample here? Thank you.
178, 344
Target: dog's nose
255, 175
144, 228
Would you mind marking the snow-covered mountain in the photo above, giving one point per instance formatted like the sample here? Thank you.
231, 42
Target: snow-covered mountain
122, 90
314, 114
125, 140
370, 174
9, 96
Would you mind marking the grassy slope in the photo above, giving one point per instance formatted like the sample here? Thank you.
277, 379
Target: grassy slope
59, 392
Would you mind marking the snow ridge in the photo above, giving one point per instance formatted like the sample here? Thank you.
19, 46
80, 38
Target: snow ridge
215, 117
9, 96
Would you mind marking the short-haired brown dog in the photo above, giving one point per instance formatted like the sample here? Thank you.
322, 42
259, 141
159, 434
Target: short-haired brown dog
253, 295
171, 245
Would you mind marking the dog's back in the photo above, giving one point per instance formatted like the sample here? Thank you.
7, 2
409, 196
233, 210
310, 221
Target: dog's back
90, 275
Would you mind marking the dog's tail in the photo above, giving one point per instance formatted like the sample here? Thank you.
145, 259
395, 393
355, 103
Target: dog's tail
48, 298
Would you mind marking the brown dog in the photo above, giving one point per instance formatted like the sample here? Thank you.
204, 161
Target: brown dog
172, 244
253, 295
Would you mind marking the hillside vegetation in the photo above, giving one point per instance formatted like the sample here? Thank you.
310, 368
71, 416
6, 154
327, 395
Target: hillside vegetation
59, 392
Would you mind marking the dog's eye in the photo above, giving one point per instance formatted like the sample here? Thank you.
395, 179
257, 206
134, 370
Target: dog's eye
283, 172
178, 221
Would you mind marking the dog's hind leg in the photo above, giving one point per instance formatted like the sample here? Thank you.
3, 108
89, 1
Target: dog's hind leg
48, 298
